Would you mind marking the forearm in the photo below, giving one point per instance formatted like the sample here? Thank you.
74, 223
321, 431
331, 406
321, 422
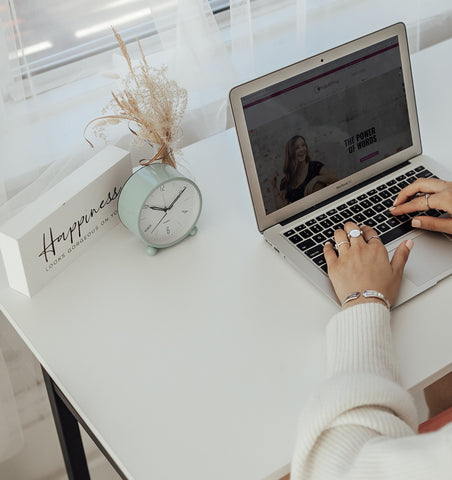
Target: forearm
360, 401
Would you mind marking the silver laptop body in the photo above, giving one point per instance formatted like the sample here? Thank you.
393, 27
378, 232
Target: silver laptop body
354, 108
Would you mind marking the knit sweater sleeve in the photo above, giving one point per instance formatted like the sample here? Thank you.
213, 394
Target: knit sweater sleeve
360, 423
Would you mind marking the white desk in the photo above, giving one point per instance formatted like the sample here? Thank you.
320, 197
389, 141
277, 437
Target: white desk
195, 363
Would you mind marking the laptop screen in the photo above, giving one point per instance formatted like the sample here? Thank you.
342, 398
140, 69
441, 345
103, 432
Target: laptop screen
316, 128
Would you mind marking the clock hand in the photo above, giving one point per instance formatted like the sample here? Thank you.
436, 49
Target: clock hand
177, 198
159, 222
159, 209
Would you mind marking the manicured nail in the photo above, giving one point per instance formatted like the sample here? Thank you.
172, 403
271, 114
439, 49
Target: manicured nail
415, 223
409, 244
391, 208
395, 202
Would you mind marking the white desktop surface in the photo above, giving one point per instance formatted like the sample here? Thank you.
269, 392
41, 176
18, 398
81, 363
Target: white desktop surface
195, 363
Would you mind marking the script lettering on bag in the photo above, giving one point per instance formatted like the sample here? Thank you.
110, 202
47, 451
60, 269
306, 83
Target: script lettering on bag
74, 232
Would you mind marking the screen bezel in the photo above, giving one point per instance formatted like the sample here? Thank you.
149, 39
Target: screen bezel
266, 220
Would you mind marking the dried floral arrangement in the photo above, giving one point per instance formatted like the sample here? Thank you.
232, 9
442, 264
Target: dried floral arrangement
152, 105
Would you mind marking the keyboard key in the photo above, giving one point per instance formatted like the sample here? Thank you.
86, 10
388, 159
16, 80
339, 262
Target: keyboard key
336, 218
295, 239
319, 238
424, 174
347, 214
369, 212
393, 222
382, 227
379, 207
306, 233
315, 251
303, 246
320, 260
316, 228
326, 223
289, 233
359, 218
395, 233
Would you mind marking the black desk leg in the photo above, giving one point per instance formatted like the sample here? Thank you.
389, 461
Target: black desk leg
68, 433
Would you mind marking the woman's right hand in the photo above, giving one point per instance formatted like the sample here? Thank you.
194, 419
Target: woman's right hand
412, 199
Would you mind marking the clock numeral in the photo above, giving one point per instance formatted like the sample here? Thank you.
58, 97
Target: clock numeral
168, 231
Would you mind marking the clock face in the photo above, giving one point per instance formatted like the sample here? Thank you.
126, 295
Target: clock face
169, 212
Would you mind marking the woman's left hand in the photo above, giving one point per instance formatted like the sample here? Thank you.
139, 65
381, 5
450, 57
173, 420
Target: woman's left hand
362, 263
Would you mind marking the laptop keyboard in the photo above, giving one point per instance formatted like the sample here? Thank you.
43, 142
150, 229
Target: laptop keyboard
370, 208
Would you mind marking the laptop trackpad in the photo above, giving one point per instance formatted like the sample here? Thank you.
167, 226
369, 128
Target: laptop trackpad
431, 256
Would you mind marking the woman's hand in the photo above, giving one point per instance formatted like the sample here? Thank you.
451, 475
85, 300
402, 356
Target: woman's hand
424, 194
362, 263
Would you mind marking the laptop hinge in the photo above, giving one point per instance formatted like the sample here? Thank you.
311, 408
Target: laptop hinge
344, 193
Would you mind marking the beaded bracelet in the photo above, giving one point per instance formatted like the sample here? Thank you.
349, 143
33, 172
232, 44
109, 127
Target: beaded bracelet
366, 294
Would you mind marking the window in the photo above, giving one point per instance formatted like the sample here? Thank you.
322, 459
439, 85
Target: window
52, 33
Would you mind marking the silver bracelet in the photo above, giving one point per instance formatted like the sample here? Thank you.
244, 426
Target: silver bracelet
366, 294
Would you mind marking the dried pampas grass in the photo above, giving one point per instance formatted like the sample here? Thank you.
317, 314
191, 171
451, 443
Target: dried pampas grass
152, 105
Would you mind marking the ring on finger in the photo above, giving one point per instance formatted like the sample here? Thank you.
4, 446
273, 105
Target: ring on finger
372, 236
337, 245
426, 200
355, 233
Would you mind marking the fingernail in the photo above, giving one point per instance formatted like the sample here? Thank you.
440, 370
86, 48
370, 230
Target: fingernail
391, 208
415, 223
395, 202
409, 244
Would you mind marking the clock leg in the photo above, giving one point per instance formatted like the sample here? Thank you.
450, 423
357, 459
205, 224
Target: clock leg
151, 250
193, 231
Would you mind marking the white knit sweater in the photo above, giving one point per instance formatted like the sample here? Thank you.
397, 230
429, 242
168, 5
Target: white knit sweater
360, 423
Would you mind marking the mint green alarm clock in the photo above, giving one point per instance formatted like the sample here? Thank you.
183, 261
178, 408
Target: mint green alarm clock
160, 206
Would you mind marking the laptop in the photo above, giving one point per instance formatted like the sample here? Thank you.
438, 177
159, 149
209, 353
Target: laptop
350, 114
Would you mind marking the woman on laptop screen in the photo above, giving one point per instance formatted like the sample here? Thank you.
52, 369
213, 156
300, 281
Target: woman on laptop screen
302, 176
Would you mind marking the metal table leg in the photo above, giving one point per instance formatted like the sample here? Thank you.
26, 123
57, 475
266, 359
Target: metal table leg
67, 423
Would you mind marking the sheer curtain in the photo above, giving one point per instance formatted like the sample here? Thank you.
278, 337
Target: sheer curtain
42, 115
206, 53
